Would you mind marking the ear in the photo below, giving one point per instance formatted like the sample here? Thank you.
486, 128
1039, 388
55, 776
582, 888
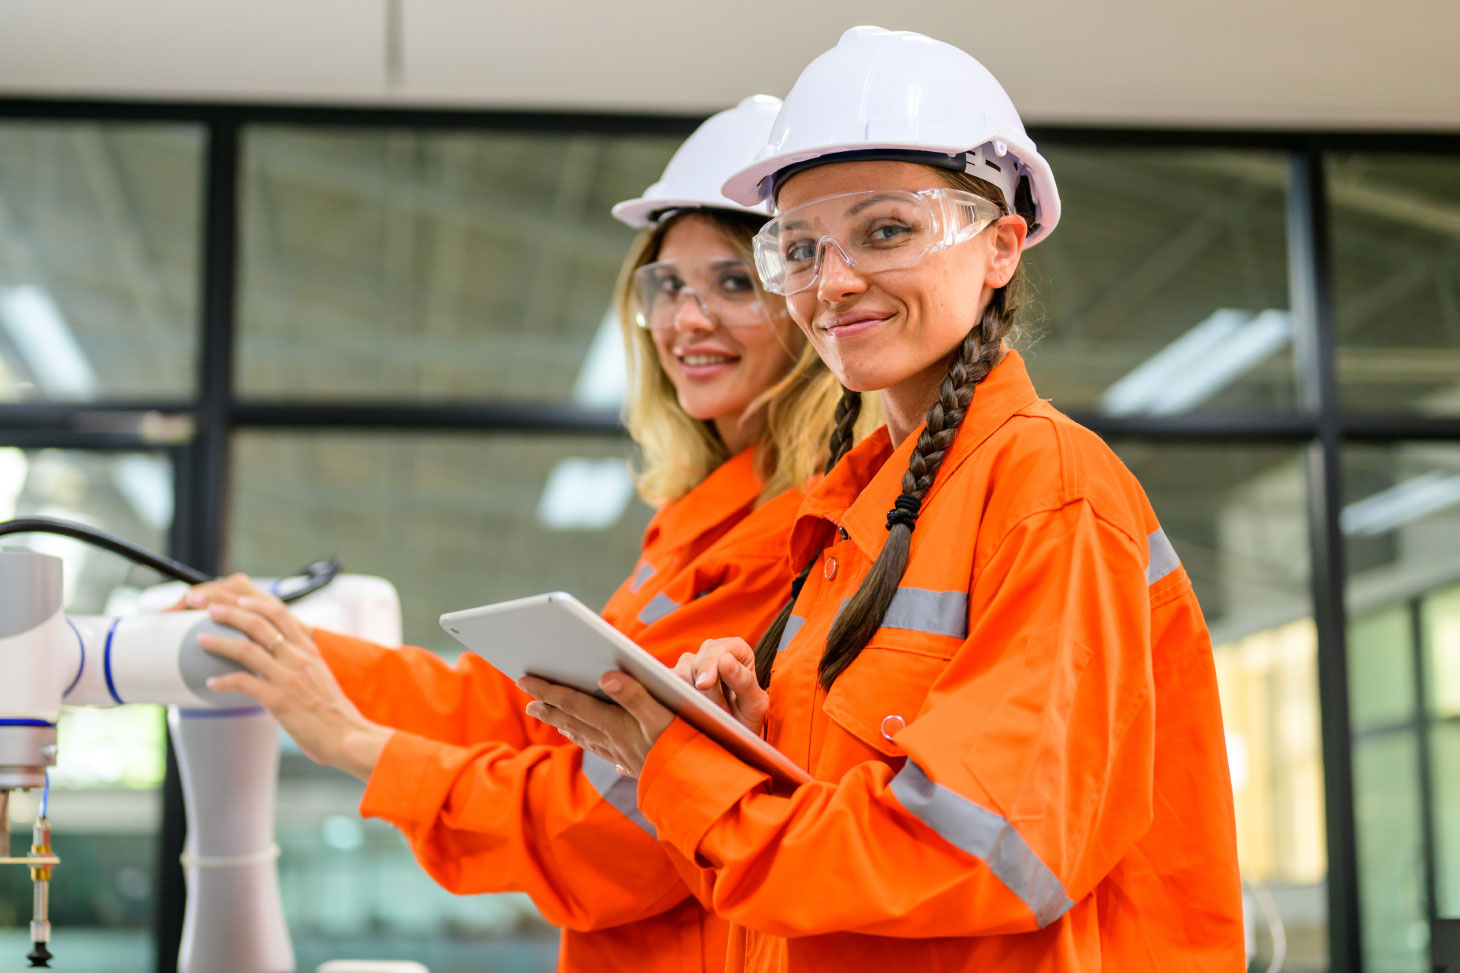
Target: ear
1008, 244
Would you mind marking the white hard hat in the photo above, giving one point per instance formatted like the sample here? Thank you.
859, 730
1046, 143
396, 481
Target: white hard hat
884, 93
723, 143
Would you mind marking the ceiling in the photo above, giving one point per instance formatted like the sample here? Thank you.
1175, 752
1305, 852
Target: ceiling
1300, 63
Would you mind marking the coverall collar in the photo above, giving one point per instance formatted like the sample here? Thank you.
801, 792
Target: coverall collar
857, 494
729, 491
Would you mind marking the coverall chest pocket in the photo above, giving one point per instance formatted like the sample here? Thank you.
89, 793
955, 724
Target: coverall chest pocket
877, 695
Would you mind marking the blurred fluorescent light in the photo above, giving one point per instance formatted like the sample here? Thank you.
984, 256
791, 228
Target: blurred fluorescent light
145, 482
1200, 363
1239, 765
585, 494
601, 380
14, 469
1401, 503
55, 360
44, 340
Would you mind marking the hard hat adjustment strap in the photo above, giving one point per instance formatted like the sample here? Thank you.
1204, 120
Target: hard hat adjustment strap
999, 169
1002, 172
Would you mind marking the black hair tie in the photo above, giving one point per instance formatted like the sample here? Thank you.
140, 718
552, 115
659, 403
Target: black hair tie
904, 510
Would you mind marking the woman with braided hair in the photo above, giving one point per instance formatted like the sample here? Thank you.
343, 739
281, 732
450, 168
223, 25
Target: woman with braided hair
993, 664
731, 410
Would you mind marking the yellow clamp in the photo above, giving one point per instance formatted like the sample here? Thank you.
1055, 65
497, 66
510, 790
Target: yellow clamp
42, 873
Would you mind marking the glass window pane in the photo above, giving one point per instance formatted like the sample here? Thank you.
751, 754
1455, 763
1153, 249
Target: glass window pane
104, 808
1445, 768
99, 234
1381, 668
1396, 280
1442, 651
1441, 619
1164, 289
1401, 527
1396, 934
430, 265
1235, 515
455, 521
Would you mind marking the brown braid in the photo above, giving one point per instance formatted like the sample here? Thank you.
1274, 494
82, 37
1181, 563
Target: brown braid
863, 614
848, 409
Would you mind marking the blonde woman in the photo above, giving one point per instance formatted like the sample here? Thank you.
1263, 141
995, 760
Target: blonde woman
732, 411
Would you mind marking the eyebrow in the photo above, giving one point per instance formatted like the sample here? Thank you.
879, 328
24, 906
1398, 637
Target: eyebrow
868, 202
718, 263
803, 225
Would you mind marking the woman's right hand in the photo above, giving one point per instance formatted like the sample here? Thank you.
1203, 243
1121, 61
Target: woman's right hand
227, 591
724, 670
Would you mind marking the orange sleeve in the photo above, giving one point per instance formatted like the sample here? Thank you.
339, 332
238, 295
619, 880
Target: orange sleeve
738, 595
552, 821
413, 689
1028, 772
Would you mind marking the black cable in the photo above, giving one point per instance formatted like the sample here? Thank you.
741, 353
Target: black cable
316, 574
107, 542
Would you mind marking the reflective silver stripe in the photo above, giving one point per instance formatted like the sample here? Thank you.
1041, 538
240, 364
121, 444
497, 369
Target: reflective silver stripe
645, 572
619, 791
1162, 559
933, 612
793, 625
659, 606
987, 837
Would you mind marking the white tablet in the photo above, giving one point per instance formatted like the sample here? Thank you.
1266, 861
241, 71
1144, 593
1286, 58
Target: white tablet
556, 637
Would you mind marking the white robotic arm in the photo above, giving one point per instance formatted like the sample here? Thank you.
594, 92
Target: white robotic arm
227, 747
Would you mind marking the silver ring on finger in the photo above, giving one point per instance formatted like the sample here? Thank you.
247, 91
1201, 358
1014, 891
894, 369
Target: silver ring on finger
274, 643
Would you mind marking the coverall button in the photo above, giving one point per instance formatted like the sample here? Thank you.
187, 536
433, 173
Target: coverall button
891, 724
828, 570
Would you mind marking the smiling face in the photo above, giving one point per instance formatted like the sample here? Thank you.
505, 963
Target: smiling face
720, 367
893, 331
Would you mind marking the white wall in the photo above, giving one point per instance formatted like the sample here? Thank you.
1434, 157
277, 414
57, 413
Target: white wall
1306, 63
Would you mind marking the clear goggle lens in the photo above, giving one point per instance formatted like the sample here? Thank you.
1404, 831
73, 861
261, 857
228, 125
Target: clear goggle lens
724, 288
872, 230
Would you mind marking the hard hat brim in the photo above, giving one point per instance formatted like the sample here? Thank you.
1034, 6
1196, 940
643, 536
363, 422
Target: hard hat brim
640, 212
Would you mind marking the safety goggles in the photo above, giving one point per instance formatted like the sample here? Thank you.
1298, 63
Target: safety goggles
724, 287
873, 230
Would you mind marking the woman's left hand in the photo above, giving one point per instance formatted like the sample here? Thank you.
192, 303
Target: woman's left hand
620, 734
290, 679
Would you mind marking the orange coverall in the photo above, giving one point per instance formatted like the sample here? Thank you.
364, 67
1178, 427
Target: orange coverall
1024, 769
493, 800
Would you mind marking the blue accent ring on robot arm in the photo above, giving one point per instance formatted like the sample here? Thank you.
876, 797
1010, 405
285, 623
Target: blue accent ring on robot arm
106, 660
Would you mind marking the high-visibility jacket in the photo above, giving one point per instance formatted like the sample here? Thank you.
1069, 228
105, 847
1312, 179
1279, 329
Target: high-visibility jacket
1024, 769
493, 800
